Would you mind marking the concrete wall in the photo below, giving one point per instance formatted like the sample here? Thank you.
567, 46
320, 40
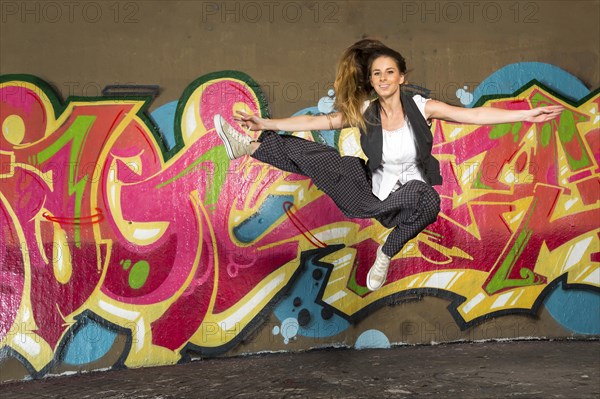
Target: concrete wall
129, 239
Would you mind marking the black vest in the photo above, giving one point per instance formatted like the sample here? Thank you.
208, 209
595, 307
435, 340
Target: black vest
371, 141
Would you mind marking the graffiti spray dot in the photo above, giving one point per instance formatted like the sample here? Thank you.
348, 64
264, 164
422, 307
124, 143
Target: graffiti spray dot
304, 317
464, 96
139, 274
325, 104
317, 274
326, 313
289, 329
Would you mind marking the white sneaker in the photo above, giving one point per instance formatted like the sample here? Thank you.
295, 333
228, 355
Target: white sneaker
378, 273
236, 144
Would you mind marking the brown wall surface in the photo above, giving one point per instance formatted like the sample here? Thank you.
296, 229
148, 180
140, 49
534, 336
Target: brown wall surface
289, 47
194, 285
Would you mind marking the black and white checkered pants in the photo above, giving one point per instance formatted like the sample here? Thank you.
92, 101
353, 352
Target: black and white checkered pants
347, 181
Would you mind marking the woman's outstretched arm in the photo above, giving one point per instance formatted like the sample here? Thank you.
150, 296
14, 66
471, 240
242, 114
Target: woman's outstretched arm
489, 115
293, 123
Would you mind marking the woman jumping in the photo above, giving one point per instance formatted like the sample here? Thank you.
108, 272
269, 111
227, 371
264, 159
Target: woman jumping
395, 185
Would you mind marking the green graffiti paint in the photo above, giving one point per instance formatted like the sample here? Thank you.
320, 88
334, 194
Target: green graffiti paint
126, 264
540, 100
139, 274
500, 279
77, 133
479, 184
566, 126
217, 155
516, 128
546, 135
567, 131
354, 286
500, 130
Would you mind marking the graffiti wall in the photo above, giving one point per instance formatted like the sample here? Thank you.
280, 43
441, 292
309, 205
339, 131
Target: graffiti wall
129, 239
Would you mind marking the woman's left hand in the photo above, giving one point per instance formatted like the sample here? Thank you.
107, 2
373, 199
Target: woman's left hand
544, 114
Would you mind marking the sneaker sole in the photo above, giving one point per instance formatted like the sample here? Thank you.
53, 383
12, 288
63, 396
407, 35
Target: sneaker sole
223, 136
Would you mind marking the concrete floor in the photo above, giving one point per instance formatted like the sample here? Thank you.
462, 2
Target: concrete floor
525, 369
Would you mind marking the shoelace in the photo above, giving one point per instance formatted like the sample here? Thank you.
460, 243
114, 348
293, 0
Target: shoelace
380, 265
242, 138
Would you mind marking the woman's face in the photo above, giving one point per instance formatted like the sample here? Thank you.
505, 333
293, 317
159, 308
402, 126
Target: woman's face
385, 77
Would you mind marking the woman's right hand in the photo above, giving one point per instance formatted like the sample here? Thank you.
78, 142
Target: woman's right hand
251, 122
